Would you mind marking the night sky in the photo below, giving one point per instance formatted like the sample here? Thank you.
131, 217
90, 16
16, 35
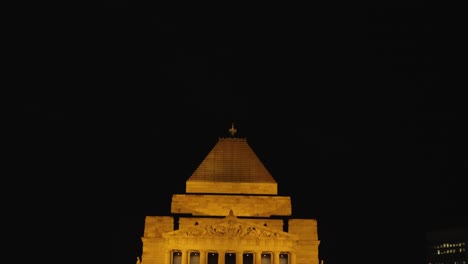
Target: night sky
357, 115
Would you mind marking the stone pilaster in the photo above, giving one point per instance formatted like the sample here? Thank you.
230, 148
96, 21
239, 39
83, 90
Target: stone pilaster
276, 257
184, 257
168, 256
239, 257
203, 257
293, 260
221, 257
258, 257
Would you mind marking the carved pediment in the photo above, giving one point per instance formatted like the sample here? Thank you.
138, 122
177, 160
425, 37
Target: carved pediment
230, 227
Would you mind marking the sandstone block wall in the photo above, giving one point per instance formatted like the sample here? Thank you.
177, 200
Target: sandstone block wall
154, 251
307, 247
220, 205
155, 225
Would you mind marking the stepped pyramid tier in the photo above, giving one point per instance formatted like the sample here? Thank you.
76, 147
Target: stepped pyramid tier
232, 167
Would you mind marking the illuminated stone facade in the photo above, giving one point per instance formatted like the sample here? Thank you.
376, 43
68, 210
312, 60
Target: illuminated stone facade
231, 213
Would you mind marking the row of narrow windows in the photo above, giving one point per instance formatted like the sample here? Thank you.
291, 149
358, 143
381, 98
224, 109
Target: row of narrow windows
450, 251
450, 245
229, 258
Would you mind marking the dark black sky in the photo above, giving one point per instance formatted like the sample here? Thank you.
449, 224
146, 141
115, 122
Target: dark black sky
362, 107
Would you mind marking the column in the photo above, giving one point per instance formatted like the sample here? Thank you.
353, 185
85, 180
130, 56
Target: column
239, 257
168, 256
203, 257
276, 257
184, 257
293, 257
258, 257
221, 257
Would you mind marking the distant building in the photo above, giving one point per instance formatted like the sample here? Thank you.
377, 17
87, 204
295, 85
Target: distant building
448, 246
231, 213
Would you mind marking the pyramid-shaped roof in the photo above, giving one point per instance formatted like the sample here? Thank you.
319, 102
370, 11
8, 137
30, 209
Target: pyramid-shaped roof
231, 167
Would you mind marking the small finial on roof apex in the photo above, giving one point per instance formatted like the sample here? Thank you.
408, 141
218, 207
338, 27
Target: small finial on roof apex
232, 130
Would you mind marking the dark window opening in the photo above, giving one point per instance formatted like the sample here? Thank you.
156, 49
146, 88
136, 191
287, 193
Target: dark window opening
230, 258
